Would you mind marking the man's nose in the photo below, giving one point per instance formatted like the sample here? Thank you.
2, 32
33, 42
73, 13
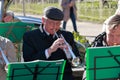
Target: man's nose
54, 25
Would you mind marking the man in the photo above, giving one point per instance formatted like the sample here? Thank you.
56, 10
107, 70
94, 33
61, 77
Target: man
44, 43
7, 47
110, 37
69, 10
8, 17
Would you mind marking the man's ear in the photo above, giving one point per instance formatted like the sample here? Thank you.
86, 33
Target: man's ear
43, 20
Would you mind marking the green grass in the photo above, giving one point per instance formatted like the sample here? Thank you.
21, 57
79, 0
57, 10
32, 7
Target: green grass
31, 8
86, 11
91, 11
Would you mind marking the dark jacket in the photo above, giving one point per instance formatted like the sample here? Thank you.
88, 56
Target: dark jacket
35, 42
99, 41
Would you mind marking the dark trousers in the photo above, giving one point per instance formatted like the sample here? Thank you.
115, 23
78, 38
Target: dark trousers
73, 19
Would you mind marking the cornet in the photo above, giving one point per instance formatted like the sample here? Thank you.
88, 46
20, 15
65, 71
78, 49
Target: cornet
75, 60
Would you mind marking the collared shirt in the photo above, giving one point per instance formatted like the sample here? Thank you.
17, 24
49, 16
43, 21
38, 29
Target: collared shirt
46, 50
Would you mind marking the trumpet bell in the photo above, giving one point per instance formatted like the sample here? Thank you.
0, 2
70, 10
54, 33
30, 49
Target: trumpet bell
6, 68
76, 62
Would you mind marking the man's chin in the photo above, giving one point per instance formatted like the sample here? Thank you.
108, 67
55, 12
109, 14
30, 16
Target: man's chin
52, 33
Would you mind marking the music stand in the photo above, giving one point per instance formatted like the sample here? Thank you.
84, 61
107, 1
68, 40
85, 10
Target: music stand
36, 70
14, 30
103, 63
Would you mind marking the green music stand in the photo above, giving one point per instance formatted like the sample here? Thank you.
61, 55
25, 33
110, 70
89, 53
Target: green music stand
36, 70
14, 30
103, 63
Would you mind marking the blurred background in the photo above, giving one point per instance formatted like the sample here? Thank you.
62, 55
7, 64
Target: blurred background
87, 10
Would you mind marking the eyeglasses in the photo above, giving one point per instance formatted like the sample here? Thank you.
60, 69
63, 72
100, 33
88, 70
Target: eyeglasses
52, 22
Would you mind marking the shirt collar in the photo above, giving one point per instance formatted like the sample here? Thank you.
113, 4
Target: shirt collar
41, 29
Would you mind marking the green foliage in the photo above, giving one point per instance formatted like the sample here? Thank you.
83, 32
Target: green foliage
82, 43
81, 39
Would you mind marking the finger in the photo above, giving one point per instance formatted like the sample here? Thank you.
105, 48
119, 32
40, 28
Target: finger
62, 46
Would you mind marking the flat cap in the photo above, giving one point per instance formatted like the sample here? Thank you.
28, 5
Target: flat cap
53, 13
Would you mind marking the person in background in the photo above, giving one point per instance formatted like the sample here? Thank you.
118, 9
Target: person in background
69, 10
8, 48
8, 17
110, 37
44, 44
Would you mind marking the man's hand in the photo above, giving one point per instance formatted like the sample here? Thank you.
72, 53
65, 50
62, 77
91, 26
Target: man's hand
59, 43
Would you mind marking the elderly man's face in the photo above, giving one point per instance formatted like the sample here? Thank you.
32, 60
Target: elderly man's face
113, 36
8, 18
51, 26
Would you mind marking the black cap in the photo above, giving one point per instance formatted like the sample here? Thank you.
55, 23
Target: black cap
53, 13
